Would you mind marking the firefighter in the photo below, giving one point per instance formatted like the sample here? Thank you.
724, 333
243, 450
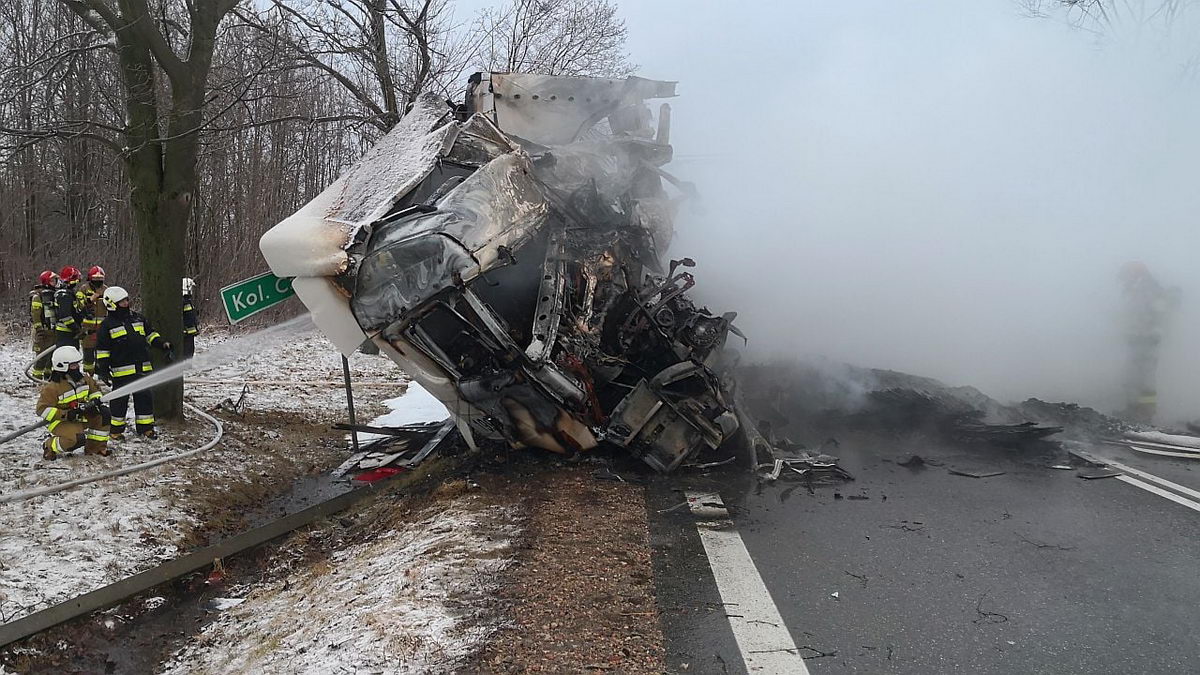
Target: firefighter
191, 319
68, 311
123, 356
41, 310
70, 401
1148, 307
94, 312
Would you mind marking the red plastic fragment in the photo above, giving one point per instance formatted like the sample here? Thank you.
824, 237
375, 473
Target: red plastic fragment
378, 474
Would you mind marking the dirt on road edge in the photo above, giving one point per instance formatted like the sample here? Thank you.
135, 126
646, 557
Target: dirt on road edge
581, 593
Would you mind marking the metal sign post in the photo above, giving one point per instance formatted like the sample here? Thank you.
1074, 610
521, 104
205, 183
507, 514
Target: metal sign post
350, 402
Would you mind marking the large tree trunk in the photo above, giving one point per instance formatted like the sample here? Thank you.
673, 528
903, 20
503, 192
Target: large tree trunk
158, 221
161, 230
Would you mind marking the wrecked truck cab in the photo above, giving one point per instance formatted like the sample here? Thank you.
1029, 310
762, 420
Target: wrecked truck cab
507, 256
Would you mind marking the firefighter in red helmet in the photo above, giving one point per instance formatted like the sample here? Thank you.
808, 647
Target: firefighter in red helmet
94, 312
68, 308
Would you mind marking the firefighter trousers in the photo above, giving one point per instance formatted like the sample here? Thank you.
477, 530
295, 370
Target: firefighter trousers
143, 406
42, 340
66, 435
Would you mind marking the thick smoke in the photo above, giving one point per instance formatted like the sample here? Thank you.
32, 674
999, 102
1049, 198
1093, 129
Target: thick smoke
946, 188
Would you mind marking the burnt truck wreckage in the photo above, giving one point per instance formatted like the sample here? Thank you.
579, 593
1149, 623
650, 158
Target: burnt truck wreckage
506, 253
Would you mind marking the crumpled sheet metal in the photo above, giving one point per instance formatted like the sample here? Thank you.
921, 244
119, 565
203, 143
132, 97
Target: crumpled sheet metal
496, 206
555, 110
312, 242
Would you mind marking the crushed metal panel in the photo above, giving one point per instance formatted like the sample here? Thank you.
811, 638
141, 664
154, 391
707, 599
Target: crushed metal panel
412, 260
552, 110
312, 242
327, 304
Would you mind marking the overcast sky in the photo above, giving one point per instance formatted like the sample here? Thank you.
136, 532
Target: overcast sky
946, 188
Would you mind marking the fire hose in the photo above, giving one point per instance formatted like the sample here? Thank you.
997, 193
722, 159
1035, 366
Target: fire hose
24, 430
29, 367
51, 489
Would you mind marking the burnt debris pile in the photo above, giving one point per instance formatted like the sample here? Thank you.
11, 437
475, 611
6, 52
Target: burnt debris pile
831, 397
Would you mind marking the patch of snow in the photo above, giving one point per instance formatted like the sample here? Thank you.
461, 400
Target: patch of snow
222, 604
394, 165
415, 406
58, 546
411, 600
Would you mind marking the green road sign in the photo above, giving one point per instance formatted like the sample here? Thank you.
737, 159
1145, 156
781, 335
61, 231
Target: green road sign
251, 296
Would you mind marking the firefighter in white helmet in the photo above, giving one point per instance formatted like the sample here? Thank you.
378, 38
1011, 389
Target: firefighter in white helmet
70, 401
122, 356
191, 318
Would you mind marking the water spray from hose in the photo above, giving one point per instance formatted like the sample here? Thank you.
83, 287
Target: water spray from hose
228, 351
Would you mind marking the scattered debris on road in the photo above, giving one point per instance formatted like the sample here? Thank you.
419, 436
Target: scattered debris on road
976, 474
1102, 473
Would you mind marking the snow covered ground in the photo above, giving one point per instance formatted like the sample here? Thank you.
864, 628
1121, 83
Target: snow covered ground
415, 598
57, 546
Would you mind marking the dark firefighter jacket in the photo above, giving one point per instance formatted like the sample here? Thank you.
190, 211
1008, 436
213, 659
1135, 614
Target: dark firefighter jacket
41, 307
68, 310
191, 320
123, 344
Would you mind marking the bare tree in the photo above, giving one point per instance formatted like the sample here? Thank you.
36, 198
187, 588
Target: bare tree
382, 52
156, 137
163, 58
555, 37
1110, 14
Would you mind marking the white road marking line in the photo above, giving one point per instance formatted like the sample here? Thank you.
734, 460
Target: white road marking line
1160, 492
1164, 453
766, 645
1183, 490
1151, 444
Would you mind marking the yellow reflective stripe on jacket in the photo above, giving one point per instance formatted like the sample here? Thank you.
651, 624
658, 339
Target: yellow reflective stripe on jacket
49, 414
122, 371
152, 337
117, 332
53, 425
187, 307
139, 328
190, 331
37, 304
71, 395
95, 395
103, 353
147, 367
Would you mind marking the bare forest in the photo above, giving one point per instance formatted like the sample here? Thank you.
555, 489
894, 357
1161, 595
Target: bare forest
161, 138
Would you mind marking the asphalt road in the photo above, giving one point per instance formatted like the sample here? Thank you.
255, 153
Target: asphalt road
1032, 571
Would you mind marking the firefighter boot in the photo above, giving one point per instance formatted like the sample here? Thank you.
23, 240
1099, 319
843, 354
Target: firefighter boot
97, 443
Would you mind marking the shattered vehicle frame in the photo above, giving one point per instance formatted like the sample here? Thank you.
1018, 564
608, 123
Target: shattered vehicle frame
505, 252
